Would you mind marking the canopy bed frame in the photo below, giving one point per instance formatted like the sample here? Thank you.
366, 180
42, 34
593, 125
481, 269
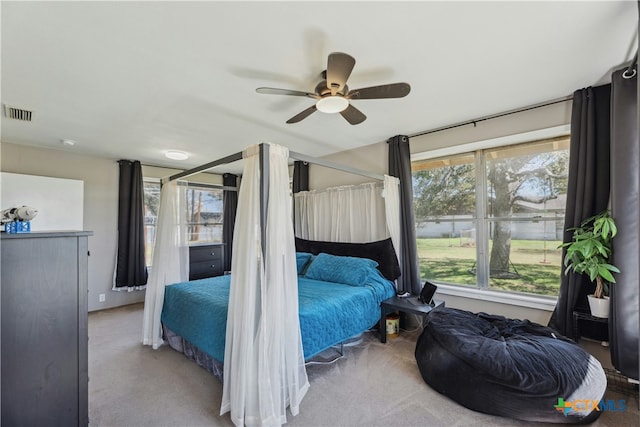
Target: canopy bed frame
263, 359
264, 176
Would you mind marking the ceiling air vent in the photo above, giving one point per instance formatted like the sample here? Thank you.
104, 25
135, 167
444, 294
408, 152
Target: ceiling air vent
17, 113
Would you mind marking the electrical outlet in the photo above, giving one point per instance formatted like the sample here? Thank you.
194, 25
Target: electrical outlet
101, 297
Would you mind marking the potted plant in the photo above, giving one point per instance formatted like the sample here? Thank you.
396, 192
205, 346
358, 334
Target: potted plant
589, 252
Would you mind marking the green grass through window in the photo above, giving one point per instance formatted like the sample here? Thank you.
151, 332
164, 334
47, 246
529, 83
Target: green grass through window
536, 264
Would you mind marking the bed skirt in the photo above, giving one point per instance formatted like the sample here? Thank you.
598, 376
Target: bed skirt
192, 352
216, 368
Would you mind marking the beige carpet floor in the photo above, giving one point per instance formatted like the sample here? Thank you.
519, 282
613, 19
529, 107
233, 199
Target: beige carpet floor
375, 384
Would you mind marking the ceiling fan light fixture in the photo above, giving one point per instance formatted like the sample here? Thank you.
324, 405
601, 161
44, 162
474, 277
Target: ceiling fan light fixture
332, 94
332, 104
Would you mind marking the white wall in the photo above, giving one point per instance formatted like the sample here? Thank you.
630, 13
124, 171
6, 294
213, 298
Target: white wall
511, 311
158, 172
100, 178
550, 116
372, 158
58, 202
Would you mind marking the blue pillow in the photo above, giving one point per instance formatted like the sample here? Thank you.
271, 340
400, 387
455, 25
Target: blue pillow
302, 259
340, 269
381, 251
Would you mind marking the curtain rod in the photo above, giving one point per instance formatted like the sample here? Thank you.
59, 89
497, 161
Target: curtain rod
336, 166
292, 154
163, 167
494, 116
198, 169
630, 72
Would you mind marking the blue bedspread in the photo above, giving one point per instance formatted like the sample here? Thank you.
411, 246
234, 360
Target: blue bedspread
329, 312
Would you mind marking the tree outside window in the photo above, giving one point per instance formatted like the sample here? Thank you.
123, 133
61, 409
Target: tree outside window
444, 203
204, 214
524, 196
151, 208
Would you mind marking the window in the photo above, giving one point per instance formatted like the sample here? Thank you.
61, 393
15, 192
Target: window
444, 202
151, 207
494, 218
204, 214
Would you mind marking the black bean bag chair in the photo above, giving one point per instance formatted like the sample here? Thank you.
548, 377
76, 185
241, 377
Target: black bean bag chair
511, 368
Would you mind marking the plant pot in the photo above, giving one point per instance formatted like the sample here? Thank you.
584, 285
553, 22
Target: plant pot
599, 306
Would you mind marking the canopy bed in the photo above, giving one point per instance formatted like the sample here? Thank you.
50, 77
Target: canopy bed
194, 315
264, 319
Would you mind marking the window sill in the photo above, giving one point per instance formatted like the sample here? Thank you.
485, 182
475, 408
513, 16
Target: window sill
530, 301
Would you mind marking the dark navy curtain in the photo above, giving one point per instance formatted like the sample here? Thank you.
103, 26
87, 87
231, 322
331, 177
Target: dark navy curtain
229, 208
300, 181
300, 176
131, 270
400, 167
587, 194
625, 153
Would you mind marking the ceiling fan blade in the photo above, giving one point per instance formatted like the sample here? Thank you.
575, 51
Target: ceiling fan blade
274, 91
353, 115
393, 90
339, 67
303, 115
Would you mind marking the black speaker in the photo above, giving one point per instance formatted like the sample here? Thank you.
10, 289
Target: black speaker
426, 295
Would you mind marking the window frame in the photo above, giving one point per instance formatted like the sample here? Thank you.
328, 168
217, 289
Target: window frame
482, 290
150, 180
210, 186
203, 185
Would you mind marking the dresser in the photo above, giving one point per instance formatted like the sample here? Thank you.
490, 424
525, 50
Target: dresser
206, 261
44, 329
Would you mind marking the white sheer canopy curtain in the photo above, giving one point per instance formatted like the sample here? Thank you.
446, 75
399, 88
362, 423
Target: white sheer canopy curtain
170, 258
351, 213
264, 368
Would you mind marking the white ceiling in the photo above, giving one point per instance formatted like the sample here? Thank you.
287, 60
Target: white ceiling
132, 80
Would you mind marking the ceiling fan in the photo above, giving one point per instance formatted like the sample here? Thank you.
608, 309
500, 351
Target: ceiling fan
332, 94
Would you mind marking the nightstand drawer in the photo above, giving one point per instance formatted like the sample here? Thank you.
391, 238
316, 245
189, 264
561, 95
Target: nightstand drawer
200, 270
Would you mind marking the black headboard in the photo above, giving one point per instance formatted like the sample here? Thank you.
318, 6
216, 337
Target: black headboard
381, 251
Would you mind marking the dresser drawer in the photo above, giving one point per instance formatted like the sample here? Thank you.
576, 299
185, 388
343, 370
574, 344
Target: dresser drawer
200, 270
205, 253
205, 261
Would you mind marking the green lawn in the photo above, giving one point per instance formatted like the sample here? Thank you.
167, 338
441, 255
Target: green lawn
451, 260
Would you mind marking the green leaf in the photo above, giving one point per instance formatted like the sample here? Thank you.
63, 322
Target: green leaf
590, 247
611, 268
606, 275
602, 250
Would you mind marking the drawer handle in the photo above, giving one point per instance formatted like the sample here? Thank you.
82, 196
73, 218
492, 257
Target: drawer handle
213, 253
213, 266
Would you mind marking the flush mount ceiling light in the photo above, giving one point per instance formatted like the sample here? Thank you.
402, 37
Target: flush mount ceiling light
332, 104
176, 155
68, 142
